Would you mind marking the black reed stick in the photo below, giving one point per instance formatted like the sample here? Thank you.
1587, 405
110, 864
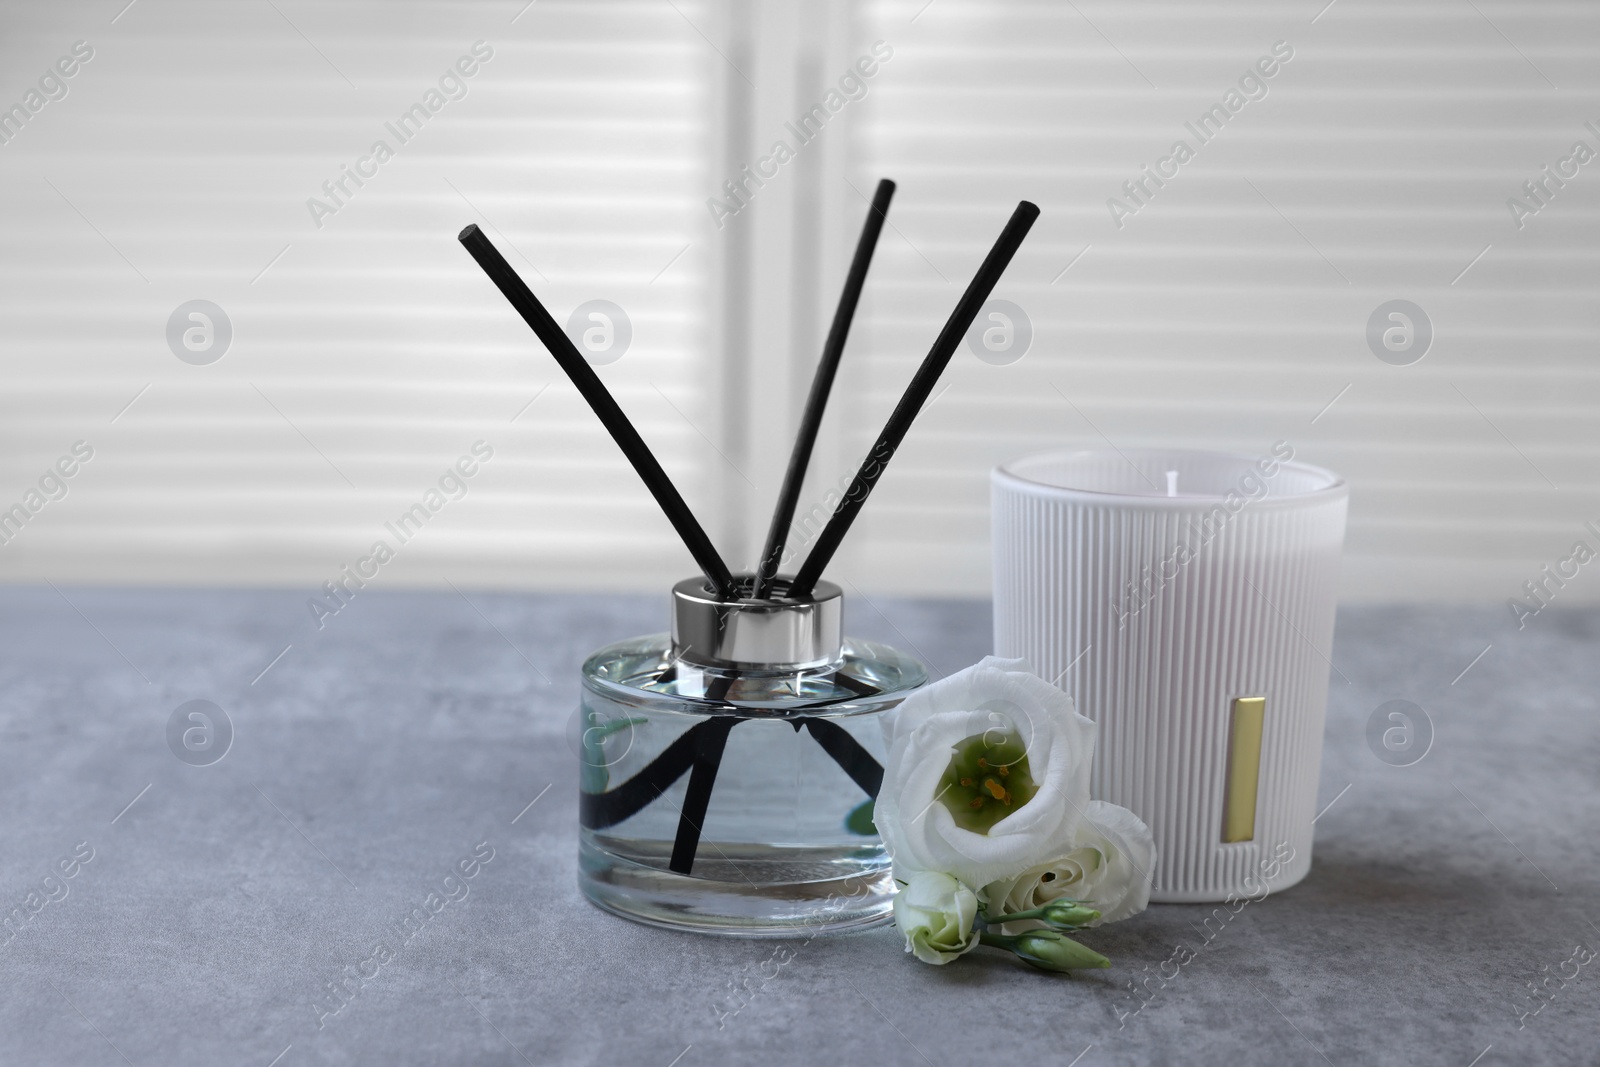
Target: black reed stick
916, 394
611, 416
821, 385
697, 798
709, 748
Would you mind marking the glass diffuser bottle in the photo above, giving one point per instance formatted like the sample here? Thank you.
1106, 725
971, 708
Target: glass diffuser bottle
728, 769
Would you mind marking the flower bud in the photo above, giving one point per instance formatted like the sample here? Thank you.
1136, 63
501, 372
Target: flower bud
1066, 914
1051, 951
935, 913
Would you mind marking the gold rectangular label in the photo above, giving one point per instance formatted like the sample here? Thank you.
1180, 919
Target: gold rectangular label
1244, 769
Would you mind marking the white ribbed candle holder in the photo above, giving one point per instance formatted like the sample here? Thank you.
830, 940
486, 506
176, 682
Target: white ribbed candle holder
1185, 601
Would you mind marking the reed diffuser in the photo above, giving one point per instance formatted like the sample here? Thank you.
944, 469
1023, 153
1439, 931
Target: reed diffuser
729, 768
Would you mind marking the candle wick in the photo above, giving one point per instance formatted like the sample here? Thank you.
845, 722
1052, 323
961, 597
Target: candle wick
1172, 483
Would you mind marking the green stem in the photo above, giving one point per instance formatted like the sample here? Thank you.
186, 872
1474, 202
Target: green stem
1036, 913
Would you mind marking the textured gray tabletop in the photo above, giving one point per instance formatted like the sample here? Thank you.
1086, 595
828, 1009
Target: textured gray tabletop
414, 731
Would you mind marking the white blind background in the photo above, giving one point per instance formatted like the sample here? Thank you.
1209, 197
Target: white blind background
370, 353
1231, 310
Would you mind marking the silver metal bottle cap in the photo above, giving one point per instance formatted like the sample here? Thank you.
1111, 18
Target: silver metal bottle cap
774, 632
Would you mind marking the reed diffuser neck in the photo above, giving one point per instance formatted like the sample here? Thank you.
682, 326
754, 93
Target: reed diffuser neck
772, 632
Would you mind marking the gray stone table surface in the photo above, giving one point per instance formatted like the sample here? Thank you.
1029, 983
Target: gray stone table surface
415, 730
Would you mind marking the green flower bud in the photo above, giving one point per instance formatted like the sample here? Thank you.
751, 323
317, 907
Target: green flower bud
1052, 951
1063, 913
1066, 914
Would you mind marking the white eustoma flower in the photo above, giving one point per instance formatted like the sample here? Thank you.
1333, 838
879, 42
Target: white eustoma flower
1108, 863
935, 912
987, 776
